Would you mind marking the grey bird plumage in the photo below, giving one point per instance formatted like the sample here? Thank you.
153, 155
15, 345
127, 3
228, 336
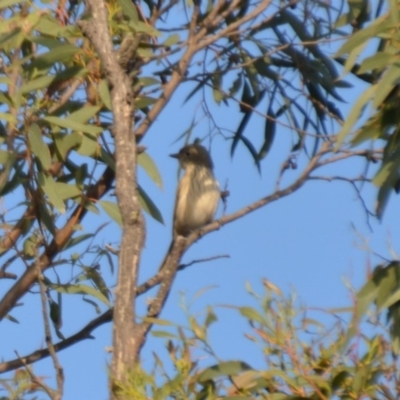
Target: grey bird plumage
198, 192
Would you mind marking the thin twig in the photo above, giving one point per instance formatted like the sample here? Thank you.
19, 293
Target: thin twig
352, 182
201, 260
33, 377
57, 395
160, 276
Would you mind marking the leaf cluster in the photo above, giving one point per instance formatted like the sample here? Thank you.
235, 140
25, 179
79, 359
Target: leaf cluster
303, 357
377, 106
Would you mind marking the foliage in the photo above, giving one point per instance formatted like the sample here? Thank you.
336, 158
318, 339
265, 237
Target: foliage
380, 100
304, 356
58, 135
21, 386
56, 149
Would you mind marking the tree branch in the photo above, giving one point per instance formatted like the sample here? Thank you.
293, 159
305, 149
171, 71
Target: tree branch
125, 343
56, 394
62, 236
170, 264
85, 332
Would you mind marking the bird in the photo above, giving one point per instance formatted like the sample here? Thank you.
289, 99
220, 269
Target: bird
198, 193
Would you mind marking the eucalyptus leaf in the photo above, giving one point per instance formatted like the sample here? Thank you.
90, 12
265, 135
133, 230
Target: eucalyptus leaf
39, 147
69, 123
112, 209
150, 167
148, 205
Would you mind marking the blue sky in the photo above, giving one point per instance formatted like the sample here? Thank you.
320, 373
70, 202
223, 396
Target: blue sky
314, 242
311, 243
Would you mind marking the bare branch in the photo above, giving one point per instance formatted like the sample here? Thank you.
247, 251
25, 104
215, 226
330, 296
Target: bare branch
56, 395
35, 379
297, 184
28, 278
170, 265
85, 332
352, 182
169, 88
236, 24
201, 260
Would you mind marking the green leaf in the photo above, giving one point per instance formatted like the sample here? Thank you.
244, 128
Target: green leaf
107, 158
269, 132
148, 81
149, 166
49, 26
4, 39
162, 334
145, 28
67, 191
105, 94
36, 84
386, 84
67, 142
61, 53
252, 314
75, 126
49, 186
98, 281
223, 369
371, 130
39, 147
354, 114
210, 318
148, 206
94, 304
158, 321
112, 210
46, 218
252, 151
378, 61
144, 101
363, 35
216, 80
385, 172
88, 146
30, 246
55, 314
353, 57
5, 99
8, 117
171, 40
129, 10
76, 240
84, 114
340, 379
80, 289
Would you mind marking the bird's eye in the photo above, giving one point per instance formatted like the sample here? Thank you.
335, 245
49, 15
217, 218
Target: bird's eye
188, 154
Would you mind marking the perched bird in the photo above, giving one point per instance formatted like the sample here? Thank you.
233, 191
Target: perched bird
198, 191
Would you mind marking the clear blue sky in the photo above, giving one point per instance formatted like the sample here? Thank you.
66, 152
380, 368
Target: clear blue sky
309, 243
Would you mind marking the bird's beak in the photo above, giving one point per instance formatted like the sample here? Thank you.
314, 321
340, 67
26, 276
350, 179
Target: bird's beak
176, 155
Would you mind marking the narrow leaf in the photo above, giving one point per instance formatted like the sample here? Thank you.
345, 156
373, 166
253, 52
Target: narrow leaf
38, 147
112, 210
49, 186
105, 94
148, 206
129, 10
149, 166
75, 126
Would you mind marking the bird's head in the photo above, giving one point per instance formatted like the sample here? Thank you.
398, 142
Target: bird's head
193, 154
